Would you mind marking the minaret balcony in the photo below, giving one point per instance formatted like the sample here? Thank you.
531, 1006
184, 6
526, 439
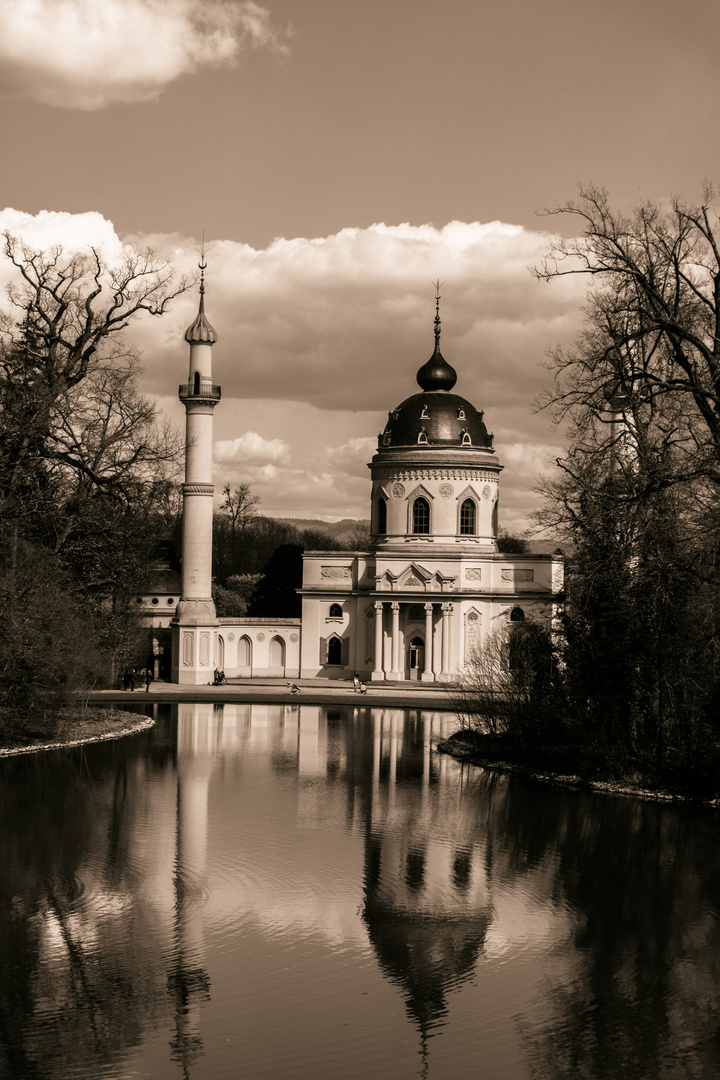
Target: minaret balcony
205, 392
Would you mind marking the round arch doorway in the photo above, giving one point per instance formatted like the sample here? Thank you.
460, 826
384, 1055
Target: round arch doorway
416, 658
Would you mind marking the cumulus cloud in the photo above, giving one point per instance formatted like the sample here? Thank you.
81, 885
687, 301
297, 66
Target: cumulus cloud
312, 330
251, 449
345, 321
86, 54
352, 457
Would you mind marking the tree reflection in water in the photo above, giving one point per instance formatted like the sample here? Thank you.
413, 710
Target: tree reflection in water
102, 907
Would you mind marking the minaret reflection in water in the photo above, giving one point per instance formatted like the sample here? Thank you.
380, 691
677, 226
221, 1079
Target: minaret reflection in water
188, 979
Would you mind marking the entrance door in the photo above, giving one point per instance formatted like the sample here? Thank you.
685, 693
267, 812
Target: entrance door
416, 662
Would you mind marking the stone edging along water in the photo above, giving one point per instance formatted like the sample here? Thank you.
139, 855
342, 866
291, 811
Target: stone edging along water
463, 752
143, 723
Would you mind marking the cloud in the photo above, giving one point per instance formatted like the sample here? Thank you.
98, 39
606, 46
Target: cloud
352, 457
251, 449
319, 338
87, 54
345, 321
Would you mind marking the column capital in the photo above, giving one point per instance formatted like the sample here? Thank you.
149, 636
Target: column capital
378, 605
429, 605
394, 605
447, 608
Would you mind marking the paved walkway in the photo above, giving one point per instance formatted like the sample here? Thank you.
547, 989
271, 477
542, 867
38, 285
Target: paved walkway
312, 692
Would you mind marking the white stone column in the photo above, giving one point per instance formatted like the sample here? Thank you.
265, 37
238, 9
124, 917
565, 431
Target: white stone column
195, 623
395, 672
446, 611
427, 675
379, 671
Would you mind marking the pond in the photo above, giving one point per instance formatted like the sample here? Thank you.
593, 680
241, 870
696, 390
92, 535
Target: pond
282, 891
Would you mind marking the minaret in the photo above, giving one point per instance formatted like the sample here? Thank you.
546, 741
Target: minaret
195, 624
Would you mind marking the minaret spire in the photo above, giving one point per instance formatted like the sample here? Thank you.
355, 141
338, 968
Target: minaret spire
201, 332
195, 624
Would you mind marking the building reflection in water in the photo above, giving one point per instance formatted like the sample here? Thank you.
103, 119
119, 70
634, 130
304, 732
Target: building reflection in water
298, 839
427, 901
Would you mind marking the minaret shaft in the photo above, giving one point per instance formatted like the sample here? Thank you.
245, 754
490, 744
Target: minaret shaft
195, 625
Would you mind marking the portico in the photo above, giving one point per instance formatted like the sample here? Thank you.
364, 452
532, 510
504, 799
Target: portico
406, 647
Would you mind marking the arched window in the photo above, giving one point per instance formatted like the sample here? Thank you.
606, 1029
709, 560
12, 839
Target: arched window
334, 655
421, 515
467, 518
196, 383
244, 652
381, 515
517, 615
335, 611
277, 653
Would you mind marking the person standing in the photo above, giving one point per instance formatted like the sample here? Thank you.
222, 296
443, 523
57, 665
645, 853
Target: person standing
148, 679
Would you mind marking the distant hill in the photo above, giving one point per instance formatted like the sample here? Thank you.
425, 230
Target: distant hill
343, 530
339, 530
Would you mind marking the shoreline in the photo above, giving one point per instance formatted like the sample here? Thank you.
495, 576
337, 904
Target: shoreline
463, 750
123, 728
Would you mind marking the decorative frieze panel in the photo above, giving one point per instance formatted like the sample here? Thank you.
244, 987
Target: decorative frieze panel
336, 573
188, 648
192, 610
512, 574
473, 573
472, 634
204, 649
198, 489
389, 473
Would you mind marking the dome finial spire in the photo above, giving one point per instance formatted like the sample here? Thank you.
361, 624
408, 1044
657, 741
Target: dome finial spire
438, 285
437, 374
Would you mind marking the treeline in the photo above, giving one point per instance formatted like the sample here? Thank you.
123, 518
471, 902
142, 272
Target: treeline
630, 680
87, 475
257, 561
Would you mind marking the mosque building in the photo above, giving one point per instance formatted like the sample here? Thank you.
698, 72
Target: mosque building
419, 603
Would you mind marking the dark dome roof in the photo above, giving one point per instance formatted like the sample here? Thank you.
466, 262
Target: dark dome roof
437, 374
436, 418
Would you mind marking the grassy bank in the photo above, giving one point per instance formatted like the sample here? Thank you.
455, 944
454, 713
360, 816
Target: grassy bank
66, 727
679, 783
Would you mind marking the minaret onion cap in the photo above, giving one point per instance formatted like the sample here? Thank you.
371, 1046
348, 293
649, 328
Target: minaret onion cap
201, 332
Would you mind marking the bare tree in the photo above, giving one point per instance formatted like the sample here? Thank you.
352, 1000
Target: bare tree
650, 350
239, 505
68, 397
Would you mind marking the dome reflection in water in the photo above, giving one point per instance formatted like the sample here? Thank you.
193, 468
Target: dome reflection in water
287, 891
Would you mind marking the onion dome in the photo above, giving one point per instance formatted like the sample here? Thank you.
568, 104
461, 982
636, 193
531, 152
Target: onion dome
436, 417
201, 332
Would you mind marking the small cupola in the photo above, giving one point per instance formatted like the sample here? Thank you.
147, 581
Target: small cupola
201, 332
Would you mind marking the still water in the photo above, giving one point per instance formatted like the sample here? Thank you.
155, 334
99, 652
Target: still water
275, 892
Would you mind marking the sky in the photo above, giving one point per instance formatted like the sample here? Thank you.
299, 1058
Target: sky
340, 157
